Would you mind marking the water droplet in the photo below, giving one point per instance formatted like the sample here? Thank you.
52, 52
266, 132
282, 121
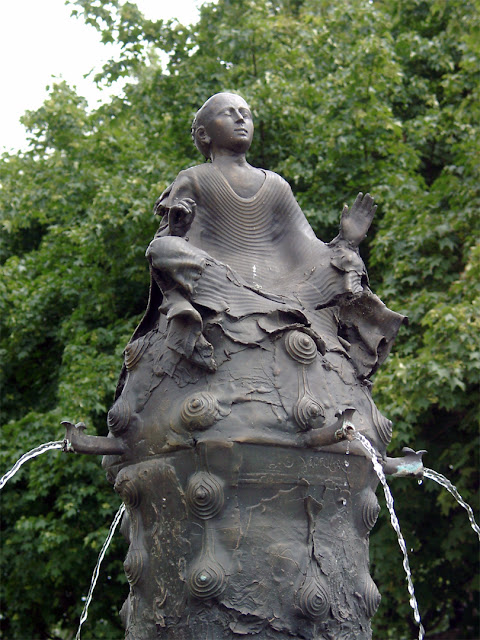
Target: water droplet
347, 463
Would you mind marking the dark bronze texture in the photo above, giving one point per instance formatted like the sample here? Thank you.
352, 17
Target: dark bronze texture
248, 507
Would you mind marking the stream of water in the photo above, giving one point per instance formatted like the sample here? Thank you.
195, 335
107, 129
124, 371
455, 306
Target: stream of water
96, 571
395, 524
43, 448
445, 482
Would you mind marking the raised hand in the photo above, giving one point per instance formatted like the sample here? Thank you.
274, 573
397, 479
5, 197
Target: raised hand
180, 217
356, 221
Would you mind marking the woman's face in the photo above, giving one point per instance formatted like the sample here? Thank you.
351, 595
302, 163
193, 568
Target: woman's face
229, 123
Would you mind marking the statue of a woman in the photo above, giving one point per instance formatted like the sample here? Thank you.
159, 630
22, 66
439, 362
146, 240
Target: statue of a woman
245, 515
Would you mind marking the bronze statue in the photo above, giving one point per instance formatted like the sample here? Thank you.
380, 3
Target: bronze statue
248, 507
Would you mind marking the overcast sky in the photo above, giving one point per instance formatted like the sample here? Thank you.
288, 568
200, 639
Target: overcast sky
39, 39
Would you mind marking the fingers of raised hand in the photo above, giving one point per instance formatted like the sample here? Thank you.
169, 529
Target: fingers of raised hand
367, 201
358, 200
364, 204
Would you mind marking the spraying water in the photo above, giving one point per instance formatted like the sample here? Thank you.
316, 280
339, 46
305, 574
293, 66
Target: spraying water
395, 524
444, 482
43, 448
96, 571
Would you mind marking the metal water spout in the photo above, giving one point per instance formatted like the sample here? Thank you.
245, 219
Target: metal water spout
342, 429
411, 465
78, 442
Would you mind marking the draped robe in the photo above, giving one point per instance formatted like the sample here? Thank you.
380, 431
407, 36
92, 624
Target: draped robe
253, 269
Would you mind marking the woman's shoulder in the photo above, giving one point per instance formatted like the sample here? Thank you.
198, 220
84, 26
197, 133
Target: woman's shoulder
277, 184
183, 185
277, 179
190, 179
195, 172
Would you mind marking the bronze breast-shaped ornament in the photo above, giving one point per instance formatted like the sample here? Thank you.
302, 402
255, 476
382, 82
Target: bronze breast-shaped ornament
200, 410
308, 413
118, 417
301, 347
207, 580
204, 495
313, 599
134, 351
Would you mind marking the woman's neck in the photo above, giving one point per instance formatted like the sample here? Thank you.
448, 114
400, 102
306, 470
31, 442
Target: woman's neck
244, 179
224, 158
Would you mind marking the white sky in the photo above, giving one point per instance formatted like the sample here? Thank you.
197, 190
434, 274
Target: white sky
39, 39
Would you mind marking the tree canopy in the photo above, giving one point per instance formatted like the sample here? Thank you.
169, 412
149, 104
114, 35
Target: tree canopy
372, 95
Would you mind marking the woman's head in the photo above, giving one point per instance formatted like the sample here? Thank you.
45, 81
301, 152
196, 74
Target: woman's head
226, 119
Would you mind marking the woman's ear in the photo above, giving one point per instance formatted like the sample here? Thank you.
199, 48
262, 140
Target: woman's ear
202, 135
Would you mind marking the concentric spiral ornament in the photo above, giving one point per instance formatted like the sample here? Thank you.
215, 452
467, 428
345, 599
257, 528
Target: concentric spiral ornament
128, 491
134, 351
370, 510
372, 598
199, 411
382, 424
308, 413
313, 600
133, 565
207, 579
204, 495
119, 417
301, 347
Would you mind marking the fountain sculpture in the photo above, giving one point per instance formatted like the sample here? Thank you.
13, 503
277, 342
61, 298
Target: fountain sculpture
248, 501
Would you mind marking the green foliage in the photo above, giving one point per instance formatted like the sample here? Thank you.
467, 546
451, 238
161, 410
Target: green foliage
380, 96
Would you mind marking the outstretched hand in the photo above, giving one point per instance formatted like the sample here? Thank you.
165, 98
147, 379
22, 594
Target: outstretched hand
356, 221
